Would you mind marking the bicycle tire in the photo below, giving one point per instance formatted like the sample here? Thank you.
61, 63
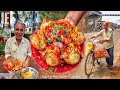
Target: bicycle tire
88, 60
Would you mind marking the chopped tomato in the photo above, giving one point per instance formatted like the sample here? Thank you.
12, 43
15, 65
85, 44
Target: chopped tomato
66, 40
57, 48
51, 47
46, 20
78, 47
65, 49
57, 54
48, 30
61, 32
53, 39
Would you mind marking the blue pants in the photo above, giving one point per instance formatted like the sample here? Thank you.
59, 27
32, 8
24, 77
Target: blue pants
111, 58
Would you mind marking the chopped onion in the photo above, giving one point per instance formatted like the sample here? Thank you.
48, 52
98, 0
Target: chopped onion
58, 44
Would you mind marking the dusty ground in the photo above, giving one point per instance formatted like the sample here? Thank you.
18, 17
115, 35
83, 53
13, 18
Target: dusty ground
78, 72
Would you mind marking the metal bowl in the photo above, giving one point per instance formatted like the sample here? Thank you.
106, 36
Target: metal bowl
34, 73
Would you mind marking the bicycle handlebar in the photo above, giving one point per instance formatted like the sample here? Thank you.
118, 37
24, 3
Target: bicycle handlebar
94, 40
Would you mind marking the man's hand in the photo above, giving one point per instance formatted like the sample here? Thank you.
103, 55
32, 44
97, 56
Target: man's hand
92, 37
102, 41
26, 63
12, 59
27, 60
9, 57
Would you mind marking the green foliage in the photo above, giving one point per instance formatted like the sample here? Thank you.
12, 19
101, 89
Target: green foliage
53, 15
2, 47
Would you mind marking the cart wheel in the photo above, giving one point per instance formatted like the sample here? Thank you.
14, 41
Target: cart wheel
89, 64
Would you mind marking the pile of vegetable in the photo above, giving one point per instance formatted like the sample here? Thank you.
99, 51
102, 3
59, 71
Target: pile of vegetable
59, 42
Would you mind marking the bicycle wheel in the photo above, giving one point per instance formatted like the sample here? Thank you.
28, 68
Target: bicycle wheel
89, 64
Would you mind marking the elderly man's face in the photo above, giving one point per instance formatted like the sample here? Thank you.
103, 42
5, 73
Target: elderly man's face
105, 26
19, 31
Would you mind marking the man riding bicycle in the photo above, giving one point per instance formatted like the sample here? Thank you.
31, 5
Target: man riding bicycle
107, 34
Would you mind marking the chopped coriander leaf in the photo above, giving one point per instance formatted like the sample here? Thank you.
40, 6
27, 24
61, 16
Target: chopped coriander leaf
58, 39
50, 69
49, 42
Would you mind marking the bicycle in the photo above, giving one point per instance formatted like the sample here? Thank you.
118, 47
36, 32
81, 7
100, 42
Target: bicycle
89, 61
